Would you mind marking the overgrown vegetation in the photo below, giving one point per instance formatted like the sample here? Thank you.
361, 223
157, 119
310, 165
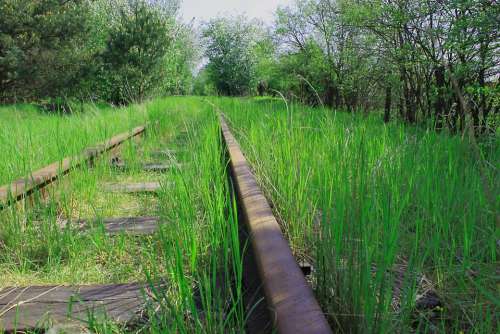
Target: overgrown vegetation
229, 45
115, 51
421, 61
395, 219
195, 253
32, 139
375, 136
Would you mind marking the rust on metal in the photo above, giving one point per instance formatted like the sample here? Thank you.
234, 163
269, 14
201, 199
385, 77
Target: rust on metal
292, 304
21, 188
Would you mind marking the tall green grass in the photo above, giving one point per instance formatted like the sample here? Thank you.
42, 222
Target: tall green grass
31, 138
393, 217
195, 254
38, 242
201, 245
386, 214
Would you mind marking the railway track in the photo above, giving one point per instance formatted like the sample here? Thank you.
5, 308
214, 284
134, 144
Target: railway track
289, 301
26, 186
71, 307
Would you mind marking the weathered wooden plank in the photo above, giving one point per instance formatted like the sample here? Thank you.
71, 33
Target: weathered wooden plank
292, 304
129, 225
147, 167
165, 154
46, 306
21, 188
142, 187
159, 168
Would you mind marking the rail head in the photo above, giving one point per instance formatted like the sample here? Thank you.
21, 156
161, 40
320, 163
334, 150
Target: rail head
21, 188
293, 307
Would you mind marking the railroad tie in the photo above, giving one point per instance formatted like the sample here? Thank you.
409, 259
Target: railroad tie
129, 225
44, 307
163, 154
73, 307
147, 167
141, 187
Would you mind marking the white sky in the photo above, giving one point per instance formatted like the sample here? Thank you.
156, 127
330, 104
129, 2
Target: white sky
204, 10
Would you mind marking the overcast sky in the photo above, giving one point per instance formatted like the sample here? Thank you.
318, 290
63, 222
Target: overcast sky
204, 10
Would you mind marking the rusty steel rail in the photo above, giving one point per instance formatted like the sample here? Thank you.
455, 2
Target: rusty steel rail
290, 299
24, 187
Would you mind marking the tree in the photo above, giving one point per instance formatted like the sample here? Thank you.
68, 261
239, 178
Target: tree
113, 50
317, 32
432, 43
42, 47
179, 62
266, 63
135, 53
369, 53
231, 61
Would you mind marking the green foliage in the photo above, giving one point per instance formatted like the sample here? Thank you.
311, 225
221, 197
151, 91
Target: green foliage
368, 54
229, 50
179, 62
203, 85
325, 58
41, 47
393, 216
101, 50
134, 53
430, 44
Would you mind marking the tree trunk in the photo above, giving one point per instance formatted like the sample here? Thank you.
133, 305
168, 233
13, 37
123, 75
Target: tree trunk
336, 94
388, 102
329, 95
440, 101
475, 146
482, 109
410, 106
401, 104
428, 100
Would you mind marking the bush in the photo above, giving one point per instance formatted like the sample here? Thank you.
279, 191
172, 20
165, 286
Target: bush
231, 66
135, 52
